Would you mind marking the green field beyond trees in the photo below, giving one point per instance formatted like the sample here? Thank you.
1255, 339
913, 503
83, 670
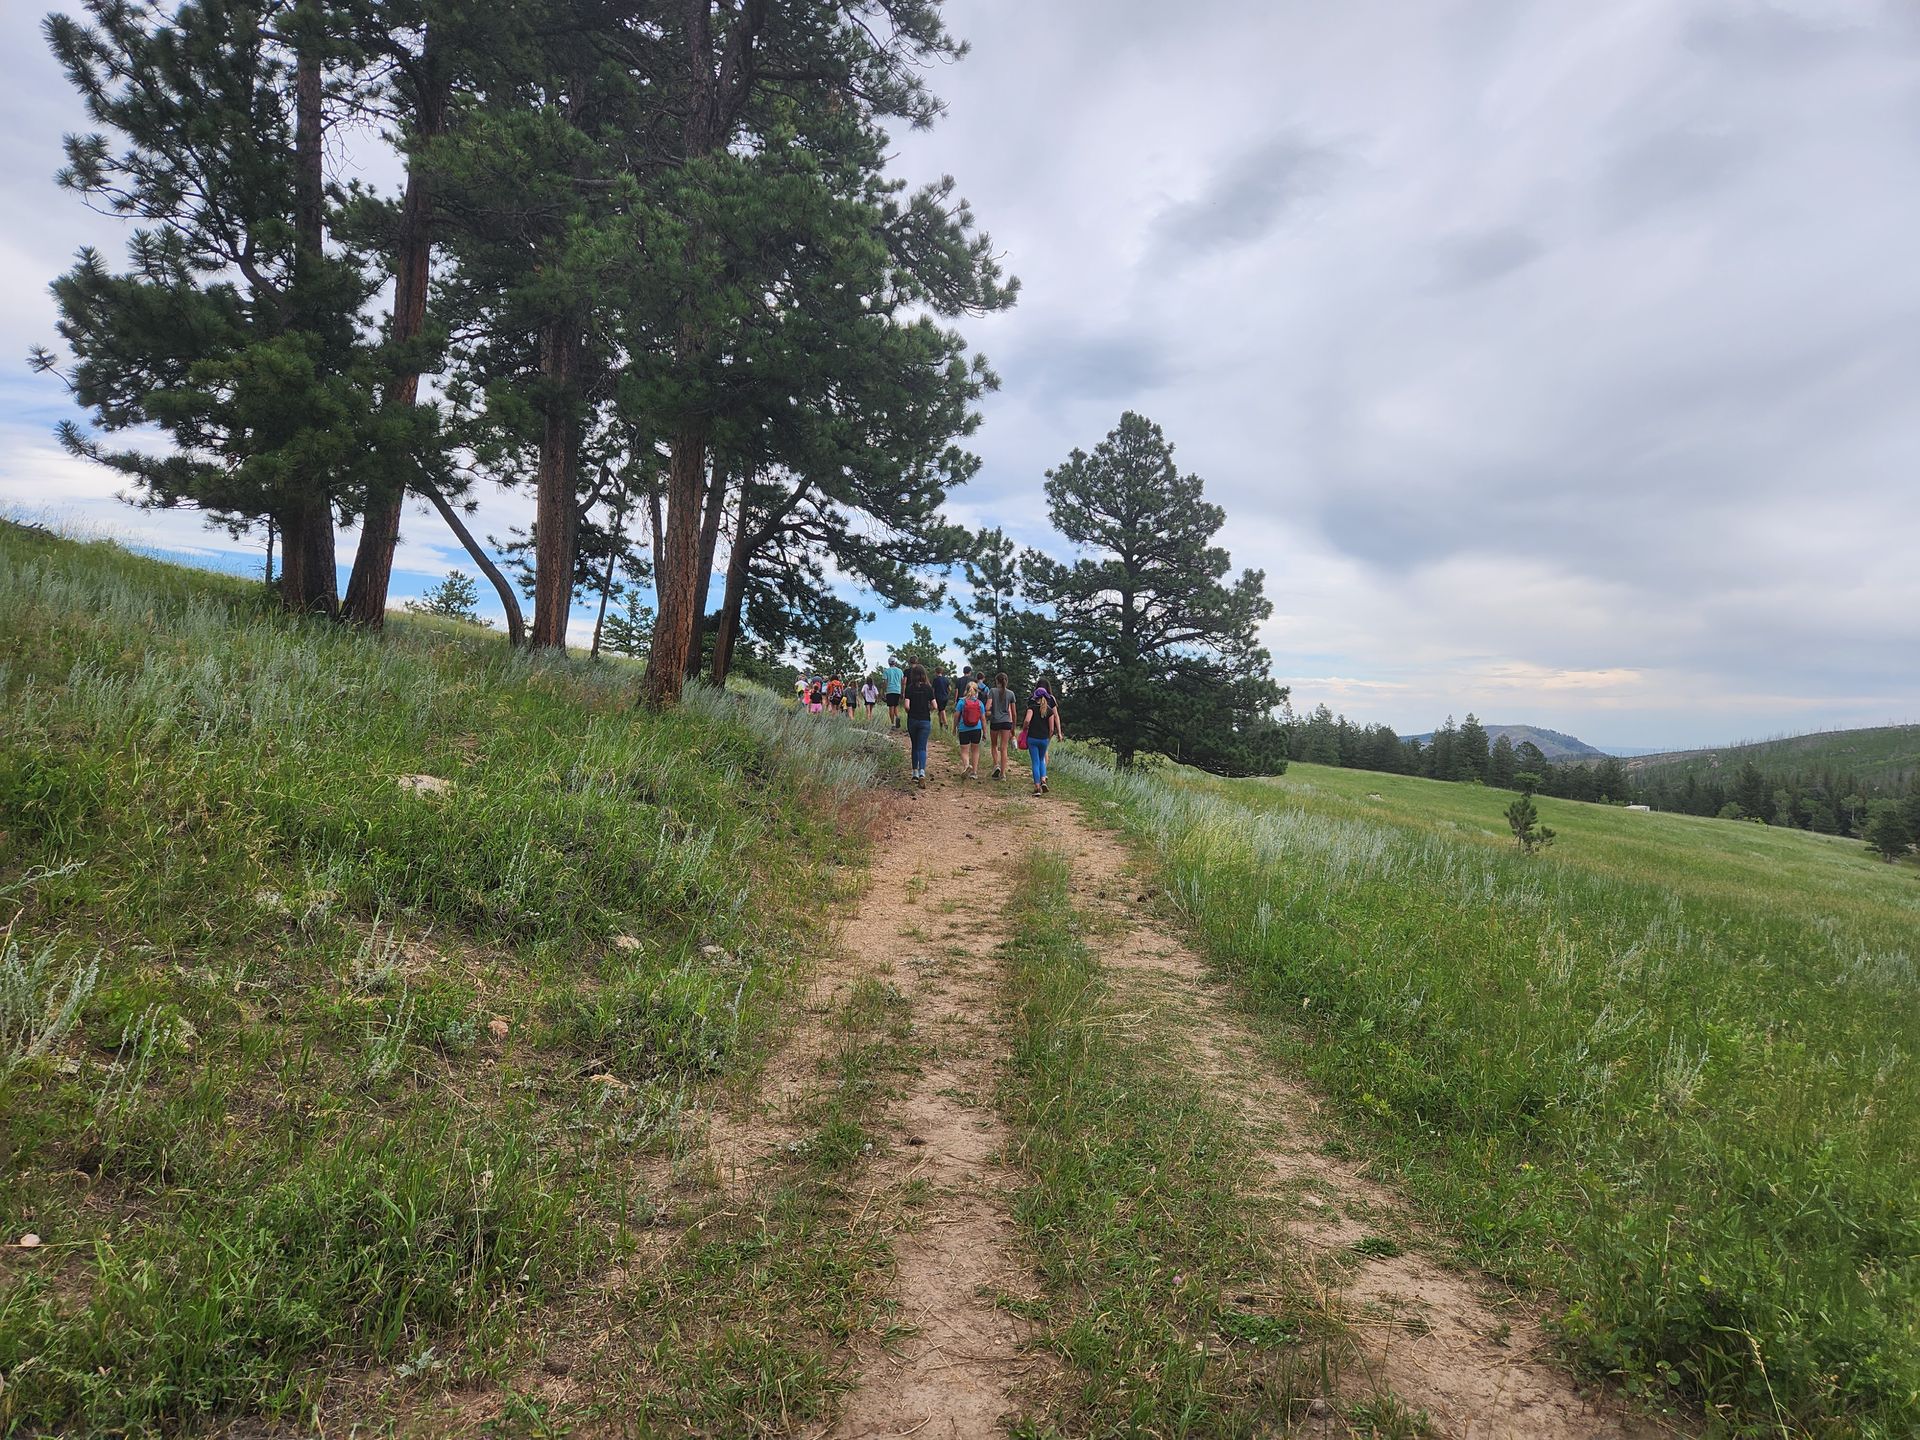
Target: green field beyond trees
1664, 1070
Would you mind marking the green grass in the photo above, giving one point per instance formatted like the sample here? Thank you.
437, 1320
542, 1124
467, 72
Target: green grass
1141, 1205
1664, 1070
333, 1086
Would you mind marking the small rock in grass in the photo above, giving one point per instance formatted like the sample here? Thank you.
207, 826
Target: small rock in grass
425, 784
497, 1027
712, 950
1318, 1408
625, 942
29, 1241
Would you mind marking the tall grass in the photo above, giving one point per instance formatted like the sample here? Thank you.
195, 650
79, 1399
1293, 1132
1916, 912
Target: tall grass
323, 1099
1684, 1101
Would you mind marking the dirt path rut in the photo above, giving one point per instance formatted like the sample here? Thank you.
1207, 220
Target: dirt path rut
1441, 1339
930, 923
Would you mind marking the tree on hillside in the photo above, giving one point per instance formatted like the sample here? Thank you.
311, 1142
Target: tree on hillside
734, 80
628, 631
1156, 648
1500, 764
921, 648
233, 330
1887, 832
1524, 820
998, 635
452, 599
1470, 755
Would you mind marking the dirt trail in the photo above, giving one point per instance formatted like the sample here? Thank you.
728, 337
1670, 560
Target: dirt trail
1443, 1340
930, 922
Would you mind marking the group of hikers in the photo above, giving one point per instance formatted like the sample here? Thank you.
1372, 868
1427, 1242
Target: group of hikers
982, 712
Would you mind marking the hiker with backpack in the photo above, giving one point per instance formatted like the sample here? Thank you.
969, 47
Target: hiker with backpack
969, 721
1000, 703
1042, 728
919, 697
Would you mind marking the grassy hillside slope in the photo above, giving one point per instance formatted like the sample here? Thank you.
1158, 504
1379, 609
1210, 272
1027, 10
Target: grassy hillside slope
1881, 755
304, 1069
1666, 1069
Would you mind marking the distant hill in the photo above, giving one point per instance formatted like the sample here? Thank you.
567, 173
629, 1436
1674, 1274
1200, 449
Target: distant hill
1553, 744
1881, 755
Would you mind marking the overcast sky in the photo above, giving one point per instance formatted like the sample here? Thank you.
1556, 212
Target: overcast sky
1556, 362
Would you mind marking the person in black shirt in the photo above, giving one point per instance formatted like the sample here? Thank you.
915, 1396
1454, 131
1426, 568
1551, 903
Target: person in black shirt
942, 688
919, 698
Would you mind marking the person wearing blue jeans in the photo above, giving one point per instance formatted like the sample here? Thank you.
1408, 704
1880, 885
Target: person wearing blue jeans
919, 697
1043, 724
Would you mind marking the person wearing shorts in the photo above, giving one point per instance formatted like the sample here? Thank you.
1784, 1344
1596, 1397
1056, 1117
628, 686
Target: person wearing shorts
969, 724
870, 693
1000, 703
942, 688
891, 682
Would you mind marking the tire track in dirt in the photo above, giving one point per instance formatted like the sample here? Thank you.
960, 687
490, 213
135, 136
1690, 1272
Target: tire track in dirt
930, 922
1442, 1339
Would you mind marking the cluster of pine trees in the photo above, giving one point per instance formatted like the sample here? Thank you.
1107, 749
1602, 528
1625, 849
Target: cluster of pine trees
1455, 751
645, 261
1143, 622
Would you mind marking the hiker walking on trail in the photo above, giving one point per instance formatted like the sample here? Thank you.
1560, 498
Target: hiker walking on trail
1000, 703
969, 721
870, 693
835, 689
814, 689
942, 688
1042, 727
890, 683
919, 698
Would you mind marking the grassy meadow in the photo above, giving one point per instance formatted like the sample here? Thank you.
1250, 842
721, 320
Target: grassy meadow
1664, 1072
314, 1076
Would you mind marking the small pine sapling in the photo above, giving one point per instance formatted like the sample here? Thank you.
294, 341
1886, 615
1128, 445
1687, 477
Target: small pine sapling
1528, 833
452, 599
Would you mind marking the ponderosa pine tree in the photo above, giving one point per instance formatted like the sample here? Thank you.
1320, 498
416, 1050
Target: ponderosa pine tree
1000, 634
1887, 834
1156, 648
819, 71
1500, 765
1470, 752
234, 329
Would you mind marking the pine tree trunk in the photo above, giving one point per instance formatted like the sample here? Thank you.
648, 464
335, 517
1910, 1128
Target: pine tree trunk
606, 589
555, 512
308, 578
727, 630
366, 599
677, 572
659, 541
509, 602
709, 542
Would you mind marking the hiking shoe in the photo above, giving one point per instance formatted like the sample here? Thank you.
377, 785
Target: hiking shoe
1043, 787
